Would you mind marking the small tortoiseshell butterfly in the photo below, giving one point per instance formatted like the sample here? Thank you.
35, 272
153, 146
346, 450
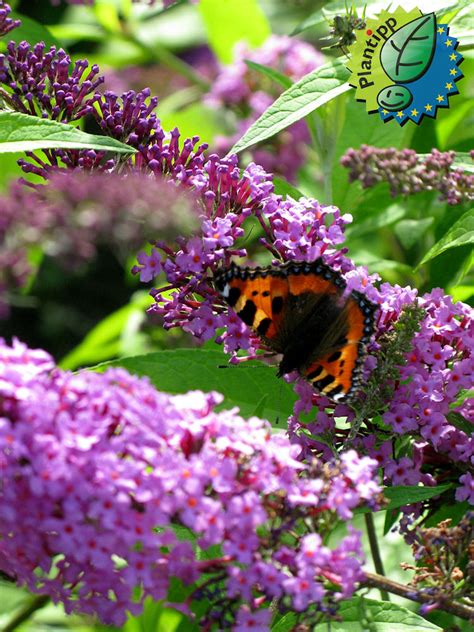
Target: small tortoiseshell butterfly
299, 310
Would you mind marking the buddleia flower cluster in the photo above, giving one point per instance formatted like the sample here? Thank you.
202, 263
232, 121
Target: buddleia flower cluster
101, 473
407, 175
7, 23
246, 94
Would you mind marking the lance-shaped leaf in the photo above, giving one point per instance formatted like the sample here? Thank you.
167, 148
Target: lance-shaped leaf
302, 98
461, 233
22, 132
407, 54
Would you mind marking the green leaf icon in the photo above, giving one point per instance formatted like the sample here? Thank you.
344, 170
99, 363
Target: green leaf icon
407, 54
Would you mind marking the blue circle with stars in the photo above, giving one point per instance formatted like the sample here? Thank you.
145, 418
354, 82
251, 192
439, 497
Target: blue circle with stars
432, 90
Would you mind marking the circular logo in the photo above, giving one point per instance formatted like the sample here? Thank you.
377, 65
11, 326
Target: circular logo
404, 65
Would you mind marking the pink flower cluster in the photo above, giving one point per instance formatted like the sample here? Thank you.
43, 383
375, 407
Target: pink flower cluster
430, 403
99, 470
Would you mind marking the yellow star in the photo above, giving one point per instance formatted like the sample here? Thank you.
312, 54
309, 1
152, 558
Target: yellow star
439, 98
453, 72
400, 114
449, 86
452, 57
440, 30
414, 112
448, 42
428, 107
385, 112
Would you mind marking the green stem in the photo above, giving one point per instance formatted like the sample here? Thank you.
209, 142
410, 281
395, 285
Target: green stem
25, 612
162, 55
374, 549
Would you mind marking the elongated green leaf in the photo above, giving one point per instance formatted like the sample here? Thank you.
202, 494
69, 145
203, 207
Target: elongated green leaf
77, 32
385, 217
233, 21
409, 494
383, 616
271, 73
286, 623
21, 132
282, 187
308, 94
106, 340
460, 234
358, 129
410, 231
181, 370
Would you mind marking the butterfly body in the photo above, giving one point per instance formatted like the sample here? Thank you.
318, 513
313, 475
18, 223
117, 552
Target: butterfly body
300, 311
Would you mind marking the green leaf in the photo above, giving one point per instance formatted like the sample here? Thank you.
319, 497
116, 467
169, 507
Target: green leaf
360, 128
454, 512
283, 187
245, 385
233, 21
305, 96
409, 494
461, 293
459, 421
461, 233
410, 231
271, 73
385, 217
108, 338
383, 616
22, 132
407, 54
285, 623
77, 32
31, 31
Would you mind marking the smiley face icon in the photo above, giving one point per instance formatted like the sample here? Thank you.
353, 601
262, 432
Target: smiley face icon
393, 98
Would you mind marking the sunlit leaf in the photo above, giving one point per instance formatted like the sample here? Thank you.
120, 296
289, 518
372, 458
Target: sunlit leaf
409, 494
245, 385
385, 217
271, 73
460, 234
21, 132
303, 97
383, 616
283, 187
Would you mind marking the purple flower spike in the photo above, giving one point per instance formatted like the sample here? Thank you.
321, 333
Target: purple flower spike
406, 175
40, 82
129, 118
7, 24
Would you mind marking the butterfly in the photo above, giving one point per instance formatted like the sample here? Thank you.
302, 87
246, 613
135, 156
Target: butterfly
299, 310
